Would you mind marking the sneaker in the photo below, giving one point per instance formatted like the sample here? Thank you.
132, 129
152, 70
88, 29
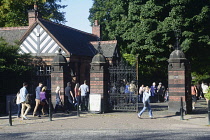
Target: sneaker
24, 118
151, 117
39, 116
34, 115
139, 116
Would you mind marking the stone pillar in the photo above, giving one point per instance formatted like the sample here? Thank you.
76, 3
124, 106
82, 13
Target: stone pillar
179, 82
98, 79
58, 76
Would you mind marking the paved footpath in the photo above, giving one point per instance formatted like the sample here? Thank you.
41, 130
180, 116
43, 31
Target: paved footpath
116, 125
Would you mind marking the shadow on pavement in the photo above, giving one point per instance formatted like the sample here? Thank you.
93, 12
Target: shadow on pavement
113, 134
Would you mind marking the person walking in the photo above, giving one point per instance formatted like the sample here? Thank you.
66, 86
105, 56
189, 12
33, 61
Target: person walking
77, 95
200, 92
132, 90
160, 92
194, 95
153, 90
18, 103
43, 99
166, 98
58, 98
205, 88
37, 99
146, 102
69, 97
127, 92
23, 99
84, 96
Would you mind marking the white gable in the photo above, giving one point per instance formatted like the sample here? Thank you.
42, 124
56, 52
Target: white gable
38, 43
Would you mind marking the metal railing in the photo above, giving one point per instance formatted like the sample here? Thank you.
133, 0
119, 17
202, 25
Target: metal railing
122, 102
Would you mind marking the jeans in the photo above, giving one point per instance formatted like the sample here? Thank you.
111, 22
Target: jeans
69, 104
19, 110
58, 105
127, 96
78, 99
131, 97
146, 106
140, 98
84, 102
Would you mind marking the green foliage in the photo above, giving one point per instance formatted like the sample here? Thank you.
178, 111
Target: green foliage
14, 68
14, 12
198, 78
146, 28
130, 58
11, 61
207, 95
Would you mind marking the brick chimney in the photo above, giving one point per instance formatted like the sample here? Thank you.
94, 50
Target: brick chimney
32, 15
96, 30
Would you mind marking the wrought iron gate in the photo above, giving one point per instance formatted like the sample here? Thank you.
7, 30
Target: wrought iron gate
120, 74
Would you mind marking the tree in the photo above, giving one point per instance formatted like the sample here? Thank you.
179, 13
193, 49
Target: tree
146, 27
11, 60
14, 12
14, 68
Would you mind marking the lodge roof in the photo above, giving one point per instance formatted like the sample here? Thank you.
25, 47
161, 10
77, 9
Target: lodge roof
76, 42
12, 34
108, 47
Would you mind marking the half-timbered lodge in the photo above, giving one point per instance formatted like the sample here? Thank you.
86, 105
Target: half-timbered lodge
42, 39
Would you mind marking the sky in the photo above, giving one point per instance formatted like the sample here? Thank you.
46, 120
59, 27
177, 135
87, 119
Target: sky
77, 13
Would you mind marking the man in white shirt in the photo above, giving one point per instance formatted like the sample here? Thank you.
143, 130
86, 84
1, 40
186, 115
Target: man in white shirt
23, 96
205, 88
84, 96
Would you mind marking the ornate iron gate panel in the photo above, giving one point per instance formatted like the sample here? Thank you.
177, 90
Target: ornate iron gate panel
120, 74
121, 103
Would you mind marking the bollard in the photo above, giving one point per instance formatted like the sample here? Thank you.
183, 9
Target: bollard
78, 110
10, 114
181, 110
209, 111
50, 110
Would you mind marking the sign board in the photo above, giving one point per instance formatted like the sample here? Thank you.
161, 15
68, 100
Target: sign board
95, 102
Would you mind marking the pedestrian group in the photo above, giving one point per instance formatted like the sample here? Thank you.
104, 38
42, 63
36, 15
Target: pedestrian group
78, 98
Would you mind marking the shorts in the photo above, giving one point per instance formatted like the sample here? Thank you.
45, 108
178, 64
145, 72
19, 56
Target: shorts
194, 98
